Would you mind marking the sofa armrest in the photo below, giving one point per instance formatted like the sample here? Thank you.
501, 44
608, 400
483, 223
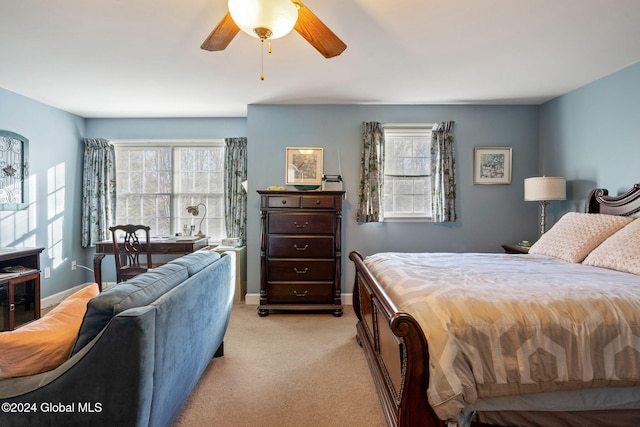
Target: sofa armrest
86, 388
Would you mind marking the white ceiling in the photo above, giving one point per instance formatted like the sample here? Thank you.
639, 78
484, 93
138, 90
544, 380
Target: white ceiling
142, 58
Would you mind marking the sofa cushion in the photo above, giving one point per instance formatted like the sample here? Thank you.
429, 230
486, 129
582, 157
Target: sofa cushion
137, 292
44, 344
197, 261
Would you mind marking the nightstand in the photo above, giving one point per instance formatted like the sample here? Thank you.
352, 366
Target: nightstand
515, 249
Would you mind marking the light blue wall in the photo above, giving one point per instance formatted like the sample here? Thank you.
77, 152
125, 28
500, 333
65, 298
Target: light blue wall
52, 219
489, 215
178, 128
592, 136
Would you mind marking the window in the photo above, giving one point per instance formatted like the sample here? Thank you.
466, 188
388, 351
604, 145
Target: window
407, 173
157, 180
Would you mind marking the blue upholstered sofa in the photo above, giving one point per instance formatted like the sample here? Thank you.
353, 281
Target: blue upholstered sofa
141, 349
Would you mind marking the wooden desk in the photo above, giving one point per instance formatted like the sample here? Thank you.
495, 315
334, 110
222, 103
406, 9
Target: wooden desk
169, 246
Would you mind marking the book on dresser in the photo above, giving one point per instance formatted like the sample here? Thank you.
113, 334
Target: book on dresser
300, 251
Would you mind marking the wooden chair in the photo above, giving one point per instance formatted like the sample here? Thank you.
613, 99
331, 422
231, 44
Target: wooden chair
127, 251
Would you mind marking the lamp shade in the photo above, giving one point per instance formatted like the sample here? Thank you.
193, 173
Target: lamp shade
545, 188
278, 16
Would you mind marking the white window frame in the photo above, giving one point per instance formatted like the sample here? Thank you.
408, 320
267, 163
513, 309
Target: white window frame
178, 218
405, 129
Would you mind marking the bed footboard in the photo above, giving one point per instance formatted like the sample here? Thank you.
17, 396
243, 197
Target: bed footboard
396, 351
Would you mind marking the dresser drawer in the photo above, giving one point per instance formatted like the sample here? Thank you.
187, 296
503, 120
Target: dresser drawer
301, 223
300, 293
319, 202
283, 202
299, 270
300, 247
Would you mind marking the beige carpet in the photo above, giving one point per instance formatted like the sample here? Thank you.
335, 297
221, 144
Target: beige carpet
286, 370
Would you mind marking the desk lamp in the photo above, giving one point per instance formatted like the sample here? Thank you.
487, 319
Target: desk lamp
193, 210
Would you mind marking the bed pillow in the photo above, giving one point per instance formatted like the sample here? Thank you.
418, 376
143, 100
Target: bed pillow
619, 252
576, 234
45, 343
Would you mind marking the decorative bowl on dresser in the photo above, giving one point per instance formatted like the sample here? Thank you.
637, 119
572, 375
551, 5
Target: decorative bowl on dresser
300, 251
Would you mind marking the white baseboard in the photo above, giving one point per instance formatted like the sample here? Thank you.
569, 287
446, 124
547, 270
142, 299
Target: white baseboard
347, 299
254, 299
55, 299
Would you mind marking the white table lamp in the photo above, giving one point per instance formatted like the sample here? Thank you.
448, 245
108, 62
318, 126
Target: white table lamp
543, 189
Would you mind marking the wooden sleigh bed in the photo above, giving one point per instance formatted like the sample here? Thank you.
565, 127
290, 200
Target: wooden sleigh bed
399, 354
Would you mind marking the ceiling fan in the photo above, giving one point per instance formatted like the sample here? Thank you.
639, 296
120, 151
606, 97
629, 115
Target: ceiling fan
262, 19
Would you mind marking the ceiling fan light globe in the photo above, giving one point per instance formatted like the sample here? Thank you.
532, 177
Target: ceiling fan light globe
279, 16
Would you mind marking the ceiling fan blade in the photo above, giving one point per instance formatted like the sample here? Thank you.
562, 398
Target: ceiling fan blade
221, 35
313, 30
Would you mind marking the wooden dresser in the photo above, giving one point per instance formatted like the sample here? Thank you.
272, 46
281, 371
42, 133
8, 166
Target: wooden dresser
300, 251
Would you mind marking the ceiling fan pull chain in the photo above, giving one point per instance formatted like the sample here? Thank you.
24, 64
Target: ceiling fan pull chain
262, 59
269, 44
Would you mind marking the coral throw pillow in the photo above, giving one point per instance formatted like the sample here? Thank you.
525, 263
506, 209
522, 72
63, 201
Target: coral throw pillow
44, 344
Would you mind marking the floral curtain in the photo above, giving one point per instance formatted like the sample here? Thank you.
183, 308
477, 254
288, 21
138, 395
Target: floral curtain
443, 173
235, 197
371, 173
98, 190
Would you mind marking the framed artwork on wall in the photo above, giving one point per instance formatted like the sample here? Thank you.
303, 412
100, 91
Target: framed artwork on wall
492, 165
304, 166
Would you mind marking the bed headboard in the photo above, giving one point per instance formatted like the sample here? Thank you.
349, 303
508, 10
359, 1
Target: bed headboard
626, 204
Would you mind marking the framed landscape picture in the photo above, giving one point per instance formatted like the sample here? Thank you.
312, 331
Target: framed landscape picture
304, 166
492, 165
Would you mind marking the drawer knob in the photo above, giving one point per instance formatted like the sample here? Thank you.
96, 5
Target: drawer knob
317, 202
301, 249
284, 202
300, 294
301, 225
301, 271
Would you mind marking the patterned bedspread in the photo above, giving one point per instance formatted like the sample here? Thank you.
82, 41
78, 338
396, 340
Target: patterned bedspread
500, 324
